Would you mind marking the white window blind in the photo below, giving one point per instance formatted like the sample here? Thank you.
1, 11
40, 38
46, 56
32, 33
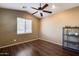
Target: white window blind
28, 26
24, 26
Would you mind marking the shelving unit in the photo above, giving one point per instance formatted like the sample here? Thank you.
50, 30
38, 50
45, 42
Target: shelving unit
71, 38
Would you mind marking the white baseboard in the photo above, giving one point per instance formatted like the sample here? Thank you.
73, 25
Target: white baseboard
50, 42
18, 43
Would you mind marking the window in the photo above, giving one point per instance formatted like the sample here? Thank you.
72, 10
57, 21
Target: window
24, 26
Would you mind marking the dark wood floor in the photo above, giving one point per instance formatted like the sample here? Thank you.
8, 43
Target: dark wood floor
36, 48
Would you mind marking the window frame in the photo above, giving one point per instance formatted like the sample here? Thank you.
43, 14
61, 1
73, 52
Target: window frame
24, 26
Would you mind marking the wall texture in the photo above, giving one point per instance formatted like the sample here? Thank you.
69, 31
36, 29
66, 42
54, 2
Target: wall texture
51, 26
8, 27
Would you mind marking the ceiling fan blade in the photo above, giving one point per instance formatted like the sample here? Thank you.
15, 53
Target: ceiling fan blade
34, 8
47, 11
41, 14
44, 6
34, 12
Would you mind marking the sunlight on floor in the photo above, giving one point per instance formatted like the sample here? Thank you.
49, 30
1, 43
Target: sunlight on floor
25, 52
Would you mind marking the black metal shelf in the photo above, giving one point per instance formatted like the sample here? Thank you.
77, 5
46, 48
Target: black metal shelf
71, 37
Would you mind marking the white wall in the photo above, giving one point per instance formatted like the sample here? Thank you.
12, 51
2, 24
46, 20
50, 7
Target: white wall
51, 26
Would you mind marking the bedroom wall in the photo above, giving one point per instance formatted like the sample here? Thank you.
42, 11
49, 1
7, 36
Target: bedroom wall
8, 27
51, 26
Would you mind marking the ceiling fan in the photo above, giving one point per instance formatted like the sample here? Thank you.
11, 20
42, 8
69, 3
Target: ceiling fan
41, 8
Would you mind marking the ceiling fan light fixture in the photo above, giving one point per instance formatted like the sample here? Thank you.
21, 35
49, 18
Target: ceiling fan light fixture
40, 11
53, 6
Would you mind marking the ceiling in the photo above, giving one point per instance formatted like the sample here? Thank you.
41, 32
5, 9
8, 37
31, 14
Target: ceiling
19, 6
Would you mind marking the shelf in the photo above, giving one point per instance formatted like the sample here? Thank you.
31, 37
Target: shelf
71, 49
72, 35
68, 27
71, 42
